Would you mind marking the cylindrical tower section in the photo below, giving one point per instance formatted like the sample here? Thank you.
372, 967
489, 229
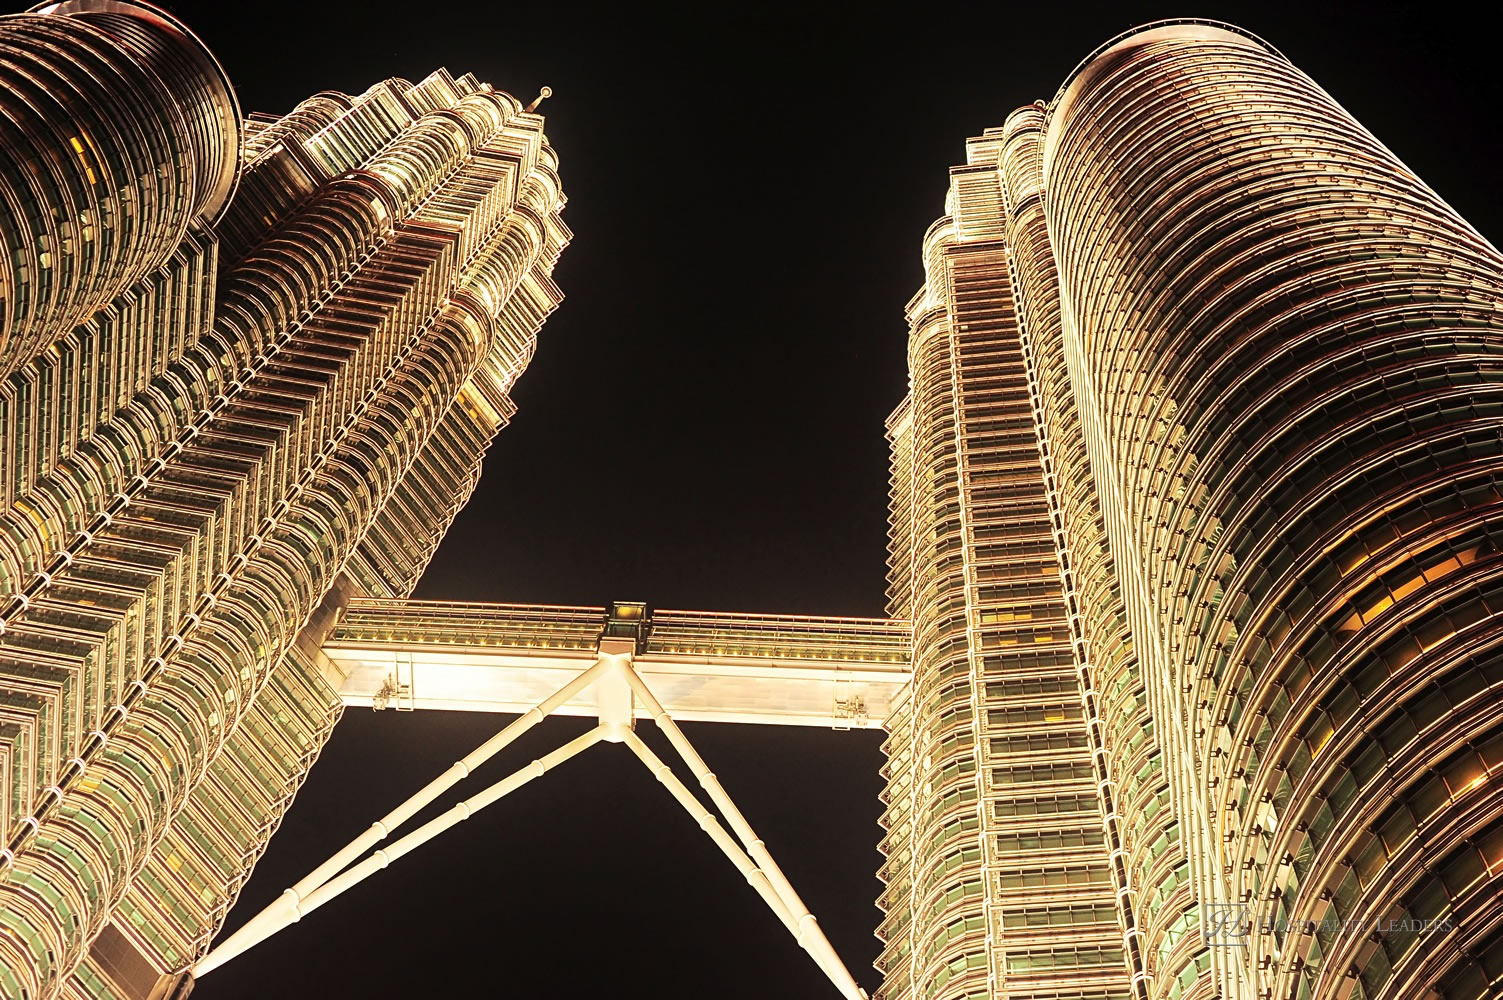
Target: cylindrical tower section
1287, 354
117, 130
197, 82
1141, 833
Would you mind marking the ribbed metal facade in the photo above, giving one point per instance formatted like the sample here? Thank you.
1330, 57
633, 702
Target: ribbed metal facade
120, 133
1195, 511
222, 423
1261, 365
997, 866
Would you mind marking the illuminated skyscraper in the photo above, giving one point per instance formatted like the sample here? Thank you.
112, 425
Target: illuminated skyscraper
1196, 514
222, 419
1195, 558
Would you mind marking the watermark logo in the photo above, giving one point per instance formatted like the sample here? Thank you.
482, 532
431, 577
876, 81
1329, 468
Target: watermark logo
1229, 925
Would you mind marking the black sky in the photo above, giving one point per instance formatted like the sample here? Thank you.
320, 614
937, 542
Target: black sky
702, 428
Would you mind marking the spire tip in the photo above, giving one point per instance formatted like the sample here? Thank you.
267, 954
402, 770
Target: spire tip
543, 94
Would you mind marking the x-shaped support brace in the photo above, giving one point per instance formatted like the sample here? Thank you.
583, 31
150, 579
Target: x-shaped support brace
617, 686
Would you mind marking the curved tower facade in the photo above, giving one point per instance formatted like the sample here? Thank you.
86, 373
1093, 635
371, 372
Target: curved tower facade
222, 419
1196, 517
120, 132
1262, 367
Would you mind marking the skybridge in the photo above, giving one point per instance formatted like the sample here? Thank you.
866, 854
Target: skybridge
842, 673
619, 664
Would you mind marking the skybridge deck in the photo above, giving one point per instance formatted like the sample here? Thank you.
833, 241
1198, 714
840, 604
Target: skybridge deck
704, 666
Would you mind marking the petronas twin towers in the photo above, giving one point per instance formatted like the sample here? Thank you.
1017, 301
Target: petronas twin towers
1192, 681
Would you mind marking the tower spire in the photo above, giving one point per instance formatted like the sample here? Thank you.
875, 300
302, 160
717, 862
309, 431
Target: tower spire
543, 95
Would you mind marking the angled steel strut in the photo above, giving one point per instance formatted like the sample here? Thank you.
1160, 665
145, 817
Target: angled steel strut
617, 686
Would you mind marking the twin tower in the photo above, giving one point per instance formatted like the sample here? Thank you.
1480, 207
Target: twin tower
1196, 534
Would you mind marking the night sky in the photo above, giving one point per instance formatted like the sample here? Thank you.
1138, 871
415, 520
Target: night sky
702, 428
